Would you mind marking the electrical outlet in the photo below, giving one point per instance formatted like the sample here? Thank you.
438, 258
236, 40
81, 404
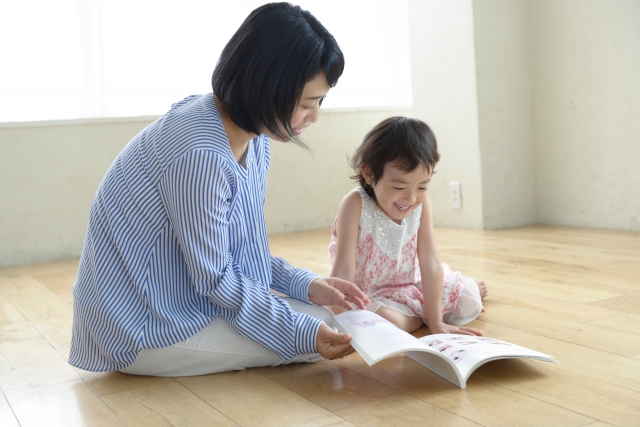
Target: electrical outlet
455, 194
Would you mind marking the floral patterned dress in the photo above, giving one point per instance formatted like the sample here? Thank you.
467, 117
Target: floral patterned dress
387, 268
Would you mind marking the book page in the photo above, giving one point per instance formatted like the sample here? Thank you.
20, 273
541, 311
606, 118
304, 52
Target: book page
375, 338
468, 352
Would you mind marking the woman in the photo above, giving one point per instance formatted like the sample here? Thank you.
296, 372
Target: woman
175, 272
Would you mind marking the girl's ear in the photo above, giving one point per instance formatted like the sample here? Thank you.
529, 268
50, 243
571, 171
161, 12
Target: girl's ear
367, 174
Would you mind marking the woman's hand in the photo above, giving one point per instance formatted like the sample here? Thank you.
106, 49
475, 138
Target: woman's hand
331, 344
334, 291
443, 328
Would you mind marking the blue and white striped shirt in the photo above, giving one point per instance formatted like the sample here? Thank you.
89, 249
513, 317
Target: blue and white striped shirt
177, 237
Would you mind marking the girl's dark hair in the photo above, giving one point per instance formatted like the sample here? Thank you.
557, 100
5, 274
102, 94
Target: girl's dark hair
402, 141
263, 68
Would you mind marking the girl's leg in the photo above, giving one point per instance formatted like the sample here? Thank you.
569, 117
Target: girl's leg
401, 320
218, 348
469, 305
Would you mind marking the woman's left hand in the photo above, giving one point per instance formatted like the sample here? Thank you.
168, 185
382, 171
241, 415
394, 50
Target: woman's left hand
335, 291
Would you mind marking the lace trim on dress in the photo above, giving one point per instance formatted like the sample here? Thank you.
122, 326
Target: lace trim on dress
389, 236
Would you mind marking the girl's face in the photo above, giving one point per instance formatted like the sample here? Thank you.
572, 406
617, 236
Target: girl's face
398, 192
308, 109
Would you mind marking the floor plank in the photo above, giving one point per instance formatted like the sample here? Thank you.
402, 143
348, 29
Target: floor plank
400, 410
343, 423
64, 404
167, 404
105, 383
551, 324
7, 417
592, 363
573, 293
481, 402
596, 399
626, 322
625, 303
28, 360
251, 400
59, 282
9, 314
328, 385
46, 311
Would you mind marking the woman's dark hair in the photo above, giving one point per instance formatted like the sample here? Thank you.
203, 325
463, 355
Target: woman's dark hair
263, 68
402, 141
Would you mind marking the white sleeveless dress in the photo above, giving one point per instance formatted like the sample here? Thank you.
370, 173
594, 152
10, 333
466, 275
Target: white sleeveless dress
387, 268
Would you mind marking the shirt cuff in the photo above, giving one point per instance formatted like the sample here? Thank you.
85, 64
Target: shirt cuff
300, 284
306, 332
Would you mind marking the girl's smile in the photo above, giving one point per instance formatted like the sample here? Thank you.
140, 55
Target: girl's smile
402, 209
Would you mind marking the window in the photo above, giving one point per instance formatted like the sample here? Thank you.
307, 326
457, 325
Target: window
70, 59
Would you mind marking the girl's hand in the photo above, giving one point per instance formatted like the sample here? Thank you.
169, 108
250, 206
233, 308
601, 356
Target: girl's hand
443, 328
331, 344
334, 291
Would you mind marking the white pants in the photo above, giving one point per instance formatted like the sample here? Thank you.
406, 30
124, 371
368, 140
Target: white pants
469, 305
218, 348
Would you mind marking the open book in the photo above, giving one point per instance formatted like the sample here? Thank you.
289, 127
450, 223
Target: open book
453, 357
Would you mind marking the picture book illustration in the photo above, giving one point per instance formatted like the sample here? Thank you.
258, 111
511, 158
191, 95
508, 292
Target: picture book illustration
466, 351
376, 328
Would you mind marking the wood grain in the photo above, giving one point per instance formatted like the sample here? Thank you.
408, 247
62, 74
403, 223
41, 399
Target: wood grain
105, 383
573, 293
7, 417
28, 360
328, 385
596, 399
9, 314
251, 400
64, 404
167, 404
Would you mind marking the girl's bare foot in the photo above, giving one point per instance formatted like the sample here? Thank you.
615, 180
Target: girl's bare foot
482, 287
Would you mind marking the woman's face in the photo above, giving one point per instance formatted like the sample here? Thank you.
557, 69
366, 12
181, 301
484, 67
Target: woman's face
308, 109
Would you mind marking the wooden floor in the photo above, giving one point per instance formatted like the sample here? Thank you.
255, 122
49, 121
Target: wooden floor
572, 293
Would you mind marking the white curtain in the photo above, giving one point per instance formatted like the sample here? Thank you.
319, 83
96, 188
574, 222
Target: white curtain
70, 59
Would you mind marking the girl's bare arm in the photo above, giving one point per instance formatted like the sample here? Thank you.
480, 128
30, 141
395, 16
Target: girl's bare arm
347, 228
432, 277
430, 267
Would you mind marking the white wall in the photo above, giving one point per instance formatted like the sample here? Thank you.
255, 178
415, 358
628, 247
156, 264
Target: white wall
534, 103
505, 112
48, 175
586, 57
304, 188
444, 96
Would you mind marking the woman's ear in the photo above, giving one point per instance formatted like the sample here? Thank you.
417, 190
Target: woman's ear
367, 174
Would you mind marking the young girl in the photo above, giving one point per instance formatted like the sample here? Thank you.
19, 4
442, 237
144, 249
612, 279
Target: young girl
385, 222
